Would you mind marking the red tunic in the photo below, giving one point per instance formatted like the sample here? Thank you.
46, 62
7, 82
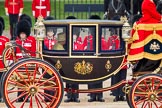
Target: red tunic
29, 44
14, 6
88, 43
104, 45
113, 42
41, 7
78, 45
3, 40
49, 43
150, 14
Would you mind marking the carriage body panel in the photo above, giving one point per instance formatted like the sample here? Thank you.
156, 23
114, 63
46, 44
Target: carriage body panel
87, 65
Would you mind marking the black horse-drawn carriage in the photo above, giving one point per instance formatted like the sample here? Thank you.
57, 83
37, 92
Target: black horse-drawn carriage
41, 79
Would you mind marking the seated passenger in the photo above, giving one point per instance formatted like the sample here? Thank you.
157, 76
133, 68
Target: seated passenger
104, 45
50, 39
61, 41
88, 42
113, 42
78, 44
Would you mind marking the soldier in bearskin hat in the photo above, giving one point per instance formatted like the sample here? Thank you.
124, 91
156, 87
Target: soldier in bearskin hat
24, 40
3, 40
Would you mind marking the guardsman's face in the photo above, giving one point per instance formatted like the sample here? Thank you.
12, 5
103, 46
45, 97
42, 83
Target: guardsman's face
50, 33
23, 36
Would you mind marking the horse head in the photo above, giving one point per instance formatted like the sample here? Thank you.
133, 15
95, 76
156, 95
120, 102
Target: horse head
158, 5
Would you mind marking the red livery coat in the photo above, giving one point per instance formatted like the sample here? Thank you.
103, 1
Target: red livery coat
149, 13
3, 41
29, 44
14, 6
49, 43
41, 7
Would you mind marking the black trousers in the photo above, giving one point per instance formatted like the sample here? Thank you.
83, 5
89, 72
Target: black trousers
121, 75
13, 18
95, 86
1, 75
72, 86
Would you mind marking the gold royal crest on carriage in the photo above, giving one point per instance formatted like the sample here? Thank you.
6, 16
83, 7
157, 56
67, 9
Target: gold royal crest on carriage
83, 68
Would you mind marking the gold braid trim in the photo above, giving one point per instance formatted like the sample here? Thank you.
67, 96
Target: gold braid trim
135, 35
147, 40
144, 55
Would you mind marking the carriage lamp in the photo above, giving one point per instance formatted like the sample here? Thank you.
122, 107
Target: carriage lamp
39, 32
39, 28
126, 32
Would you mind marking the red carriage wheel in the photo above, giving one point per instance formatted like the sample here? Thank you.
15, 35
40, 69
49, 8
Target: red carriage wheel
35, 81
9, 56
146, 92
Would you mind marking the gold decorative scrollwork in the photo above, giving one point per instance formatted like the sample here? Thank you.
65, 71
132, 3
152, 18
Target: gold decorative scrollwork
154, 46
108, 65
83, 68
58, 65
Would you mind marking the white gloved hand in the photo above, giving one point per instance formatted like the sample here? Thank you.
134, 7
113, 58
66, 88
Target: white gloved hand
20, 14
7, 14
33, 13
48, 13
105, 16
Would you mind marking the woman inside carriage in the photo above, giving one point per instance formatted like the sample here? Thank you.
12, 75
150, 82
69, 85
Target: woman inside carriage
146, 38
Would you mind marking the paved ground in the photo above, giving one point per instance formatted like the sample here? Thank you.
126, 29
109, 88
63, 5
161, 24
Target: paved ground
83, 98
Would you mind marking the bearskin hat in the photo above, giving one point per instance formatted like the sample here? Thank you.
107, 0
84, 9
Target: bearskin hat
26, 17
71, 17
2, 25
94, 17
23, 26
49, 18
159, 6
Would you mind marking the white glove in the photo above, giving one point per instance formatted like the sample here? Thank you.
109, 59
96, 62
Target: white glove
7, 14
105, 15
20, 14
48, 13
33, 13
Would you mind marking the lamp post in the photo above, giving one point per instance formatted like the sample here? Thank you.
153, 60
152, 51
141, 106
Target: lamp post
39, 32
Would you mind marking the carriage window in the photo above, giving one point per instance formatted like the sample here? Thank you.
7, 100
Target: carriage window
83, 38
56, 39
110, 39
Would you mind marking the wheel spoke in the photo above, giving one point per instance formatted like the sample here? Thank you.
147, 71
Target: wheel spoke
35, 72
139, 101
145, 84
43, 101
155, 104
31, 102
46, 81
139, 88
157, 87
38, 102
